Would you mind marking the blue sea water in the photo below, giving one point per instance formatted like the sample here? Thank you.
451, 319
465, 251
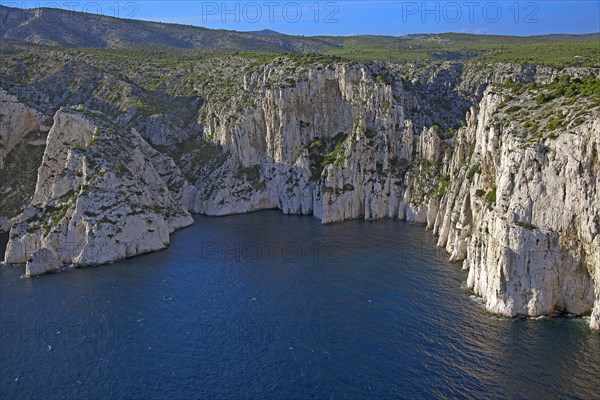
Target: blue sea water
268, 306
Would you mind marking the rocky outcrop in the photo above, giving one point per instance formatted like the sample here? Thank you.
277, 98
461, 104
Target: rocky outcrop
100, 196
42, 261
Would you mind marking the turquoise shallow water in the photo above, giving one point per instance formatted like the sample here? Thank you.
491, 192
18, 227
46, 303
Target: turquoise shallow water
272, 306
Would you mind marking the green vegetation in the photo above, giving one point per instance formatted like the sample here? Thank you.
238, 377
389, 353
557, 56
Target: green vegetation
556, 121
547, 110
93, 140
474, 170
532, 123
316, 148
49, 217
120, 169
325, 151
179, 82
386, 106
479, 193
187, 71
187, 44
105, 220
399, 167
557, 51
490, 197
198, 156
449, 134
339, 191
444, 185
424, 170
337, 156
370, 134
315, 144
146, 107
552, 53
565, 86
526, 225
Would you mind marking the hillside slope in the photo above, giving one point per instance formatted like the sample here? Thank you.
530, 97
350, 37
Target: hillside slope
57, 27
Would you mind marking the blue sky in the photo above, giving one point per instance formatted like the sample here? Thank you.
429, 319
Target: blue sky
348, 17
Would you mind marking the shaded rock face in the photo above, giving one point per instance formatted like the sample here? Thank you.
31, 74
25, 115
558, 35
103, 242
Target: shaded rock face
518, 207
22, 137
17, 121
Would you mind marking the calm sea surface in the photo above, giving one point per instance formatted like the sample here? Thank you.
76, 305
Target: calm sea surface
268, 306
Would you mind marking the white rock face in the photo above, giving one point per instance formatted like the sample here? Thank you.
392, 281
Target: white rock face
536, 249
42, 261
338, 110
99, 197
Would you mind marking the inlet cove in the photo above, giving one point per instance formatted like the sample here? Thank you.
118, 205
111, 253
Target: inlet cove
197, 213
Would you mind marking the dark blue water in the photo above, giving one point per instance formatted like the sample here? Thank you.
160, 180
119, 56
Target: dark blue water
270, 306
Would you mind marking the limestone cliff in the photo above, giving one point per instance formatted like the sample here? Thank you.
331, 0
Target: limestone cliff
500, 161
335, 142
512, 189
522, 210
